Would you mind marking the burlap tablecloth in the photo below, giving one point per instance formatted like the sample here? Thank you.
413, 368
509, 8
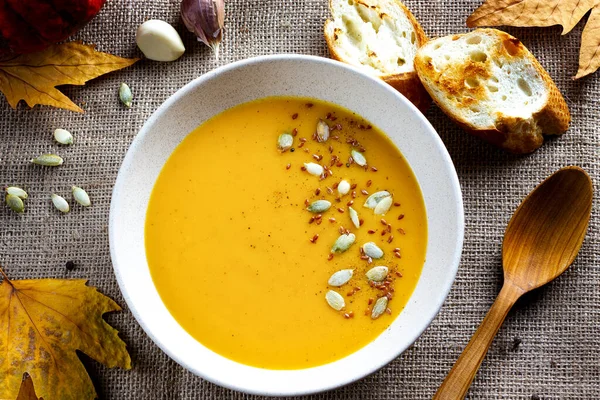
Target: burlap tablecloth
549, 345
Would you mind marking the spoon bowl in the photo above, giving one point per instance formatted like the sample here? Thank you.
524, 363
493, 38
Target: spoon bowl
542, 239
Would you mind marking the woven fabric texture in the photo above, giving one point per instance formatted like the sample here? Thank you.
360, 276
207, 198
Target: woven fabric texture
549, 345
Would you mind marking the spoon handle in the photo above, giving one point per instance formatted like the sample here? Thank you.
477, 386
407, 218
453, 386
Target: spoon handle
458, 381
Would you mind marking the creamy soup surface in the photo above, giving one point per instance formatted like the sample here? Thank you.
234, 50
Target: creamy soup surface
241, 263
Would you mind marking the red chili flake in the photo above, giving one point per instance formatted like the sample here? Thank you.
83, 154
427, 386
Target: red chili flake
335, 185
294, 132
350, 203
340, 164
397, 205
328, 116
364, 192
295, 115
400, 216
361, 222
288, 166
374, 169
383, 232
317, 191
371, 300
383, 222
401, 231
390, 239
361, 126
331, 219
311, 220
369, 127
306, 202
371, 231
340, 209
350, 293
333, 118
309, 105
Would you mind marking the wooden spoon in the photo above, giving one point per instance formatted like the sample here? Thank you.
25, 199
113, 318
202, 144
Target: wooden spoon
542, 239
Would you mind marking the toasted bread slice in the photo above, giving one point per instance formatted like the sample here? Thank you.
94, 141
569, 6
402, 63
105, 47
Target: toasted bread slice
492, 86
382, 38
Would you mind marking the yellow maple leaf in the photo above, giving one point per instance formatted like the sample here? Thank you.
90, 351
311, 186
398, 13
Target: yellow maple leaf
34, 77
542, 13
44, 322
27, 392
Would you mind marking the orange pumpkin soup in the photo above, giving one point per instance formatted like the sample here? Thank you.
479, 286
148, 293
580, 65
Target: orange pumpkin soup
246, 268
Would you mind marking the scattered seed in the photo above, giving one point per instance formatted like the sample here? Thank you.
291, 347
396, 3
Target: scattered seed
81, 196
60, 203
389, 228
48, 160
319, 206
383, 232
354, 217
309, 105
322, 131
295, 115
15, 203
364, 192
371, 300
350, 203
401, 216
317, 191
329, 190
330, 257
285, 142
377, 274
358, 158
343, 187
63, 136
353, 194
294, 132
383, 222
389, 240
331, 219
340, 209
288, 166
343, 243
314, 169
372, 250
383, 206
401, 231
125, 95
375, 198
379, 307
330, 150
371, 231
397, 254
311, 220
369, 182
306, 203
317, 157
340, 277
314, 238
335, 300
17, 191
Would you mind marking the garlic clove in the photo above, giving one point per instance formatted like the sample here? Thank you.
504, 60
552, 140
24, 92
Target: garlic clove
159, 41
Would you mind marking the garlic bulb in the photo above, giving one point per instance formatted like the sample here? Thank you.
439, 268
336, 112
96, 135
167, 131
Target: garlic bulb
205, 18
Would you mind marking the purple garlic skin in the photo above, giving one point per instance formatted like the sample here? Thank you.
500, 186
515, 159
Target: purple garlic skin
205, 18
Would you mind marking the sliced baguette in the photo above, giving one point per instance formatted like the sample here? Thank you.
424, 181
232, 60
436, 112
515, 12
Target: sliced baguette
492, 86
382, 38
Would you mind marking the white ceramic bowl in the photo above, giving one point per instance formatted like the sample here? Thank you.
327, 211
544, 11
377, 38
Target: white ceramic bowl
288, 75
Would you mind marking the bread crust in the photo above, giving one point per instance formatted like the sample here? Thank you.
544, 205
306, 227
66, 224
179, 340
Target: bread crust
515, 134
407, 83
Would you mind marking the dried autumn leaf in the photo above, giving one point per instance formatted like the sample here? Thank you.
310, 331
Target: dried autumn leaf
44, 322
34, 77
27, 392
542, 13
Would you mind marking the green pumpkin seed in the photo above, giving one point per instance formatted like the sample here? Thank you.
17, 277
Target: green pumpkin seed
341, 277
48, 160
343, 187
379, 307
15, 203
285, 141
125, 95
383, 206
322, 131
60, 203
314, 169
17, 191
63, 136
377, 274
354, 217
319, 206
375, 198
343, 243
335, 300
372, 250
358, 158
81, 196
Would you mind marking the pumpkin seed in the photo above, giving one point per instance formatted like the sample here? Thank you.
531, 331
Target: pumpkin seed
322, 131
358, 158
63, 136
313, 169
335, 300
343, 187
17, 191
285, 141
354, 217
375, 198
379, 307
343, 243
377, 274
383, 206
48, 160
15, 203
319, 206
60, 203
372, 250
125, 95
341, 277
81, 196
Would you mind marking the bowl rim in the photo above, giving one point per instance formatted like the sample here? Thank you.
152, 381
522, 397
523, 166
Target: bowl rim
128, 160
